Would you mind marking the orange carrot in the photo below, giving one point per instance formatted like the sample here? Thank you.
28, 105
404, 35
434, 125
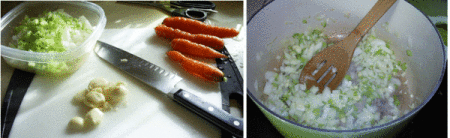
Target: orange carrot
208, 40
199, 69
194, 49
198, 27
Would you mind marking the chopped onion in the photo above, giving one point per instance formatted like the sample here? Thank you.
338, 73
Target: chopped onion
349, 106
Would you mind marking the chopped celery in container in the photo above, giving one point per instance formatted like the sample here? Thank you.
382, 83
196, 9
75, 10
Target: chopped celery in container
51, 32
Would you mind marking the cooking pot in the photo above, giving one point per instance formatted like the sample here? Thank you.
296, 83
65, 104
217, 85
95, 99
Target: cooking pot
405, 27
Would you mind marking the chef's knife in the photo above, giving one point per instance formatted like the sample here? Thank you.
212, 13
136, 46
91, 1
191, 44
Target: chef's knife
165, 82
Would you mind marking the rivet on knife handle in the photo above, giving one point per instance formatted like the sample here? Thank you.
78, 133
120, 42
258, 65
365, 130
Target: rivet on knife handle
216, 115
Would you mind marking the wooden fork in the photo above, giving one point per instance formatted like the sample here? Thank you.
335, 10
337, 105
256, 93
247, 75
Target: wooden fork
328, 67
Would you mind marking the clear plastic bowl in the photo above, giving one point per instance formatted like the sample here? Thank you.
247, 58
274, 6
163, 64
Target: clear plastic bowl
51, 64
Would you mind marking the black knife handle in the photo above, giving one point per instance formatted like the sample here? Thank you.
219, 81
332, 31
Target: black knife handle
17, 88
211, 113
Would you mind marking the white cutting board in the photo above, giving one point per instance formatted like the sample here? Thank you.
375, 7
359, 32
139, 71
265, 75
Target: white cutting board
47, 107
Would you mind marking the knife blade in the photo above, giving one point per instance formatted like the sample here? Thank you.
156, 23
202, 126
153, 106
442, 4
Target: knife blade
165, 82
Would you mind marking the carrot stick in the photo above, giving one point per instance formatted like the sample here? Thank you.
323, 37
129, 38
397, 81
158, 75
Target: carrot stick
199, 69
208, 40
198, 27
194, 49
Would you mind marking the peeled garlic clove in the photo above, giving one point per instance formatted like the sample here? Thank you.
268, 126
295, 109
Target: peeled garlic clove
109, 87
98, 82
120, 91
76, 123
106, 107
98, 89
80, 96
94, 117
117, 94
94, 99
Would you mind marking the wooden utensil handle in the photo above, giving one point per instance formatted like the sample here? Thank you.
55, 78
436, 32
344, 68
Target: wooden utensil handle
371, 18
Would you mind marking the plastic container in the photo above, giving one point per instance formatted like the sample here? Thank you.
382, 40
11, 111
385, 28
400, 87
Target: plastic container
51, 64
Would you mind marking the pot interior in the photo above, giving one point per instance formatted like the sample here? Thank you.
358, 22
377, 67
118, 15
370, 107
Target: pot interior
405, 27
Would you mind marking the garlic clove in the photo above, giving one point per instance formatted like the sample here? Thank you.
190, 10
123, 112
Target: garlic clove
94, 99
98, 82
76, 123
94, 117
